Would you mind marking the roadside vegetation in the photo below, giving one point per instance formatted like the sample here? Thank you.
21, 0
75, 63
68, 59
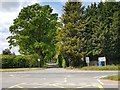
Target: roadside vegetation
88, 32
108, 67
115, 77
19, 69
79, 33
19, 61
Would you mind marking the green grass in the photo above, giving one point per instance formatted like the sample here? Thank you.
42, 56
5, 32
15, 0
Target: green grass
108, 67
115, 77
19, 69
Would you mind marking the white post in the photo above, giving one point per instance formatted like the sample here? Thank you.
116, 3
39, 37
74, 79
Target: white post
105, 63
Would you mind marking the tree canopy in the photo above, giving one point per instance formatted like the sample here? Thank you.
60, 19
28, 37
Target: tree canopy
80, 32
70, 33
33, 31
91, 31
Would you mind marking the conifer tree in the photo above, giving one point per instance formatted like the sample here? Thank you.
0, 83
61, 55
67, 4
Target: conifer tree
70, 35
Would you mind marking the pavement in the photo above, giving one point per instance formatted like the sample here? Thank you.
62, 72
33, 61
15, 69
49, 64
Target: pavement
58, 78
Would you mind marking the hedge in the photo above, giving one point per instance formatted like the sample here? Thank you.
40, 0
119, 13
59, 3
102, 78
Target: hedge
19, 61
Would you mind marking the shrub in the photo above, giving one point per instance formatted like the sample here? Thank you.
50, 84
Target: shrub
7, 61
19, 61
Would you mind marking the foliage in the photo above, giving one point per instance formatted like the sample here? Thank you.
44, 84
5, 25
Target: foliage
63, 63
7, 61
69, 35
33, 31
18, 61
103, 38
6, 52
92, 31
114, 77
108, 67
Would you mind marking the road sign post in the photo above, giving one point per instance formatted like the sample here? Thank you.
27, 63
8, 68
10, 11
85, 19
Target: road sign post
69, 60
88, 61
38, 62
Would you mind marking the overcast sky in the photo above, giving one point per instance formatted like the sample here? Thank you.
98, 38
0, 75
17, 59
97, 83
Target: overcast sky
9, 10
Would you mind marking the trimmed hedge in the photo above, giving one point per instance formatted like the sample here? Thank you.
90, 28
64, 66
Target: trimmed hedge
19, 61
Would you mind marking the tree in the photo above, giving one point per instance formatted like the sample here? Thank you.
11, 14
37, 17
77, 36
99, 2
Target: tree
103, 37
6, 52
90, 28
70, 34
114, 54
33, 31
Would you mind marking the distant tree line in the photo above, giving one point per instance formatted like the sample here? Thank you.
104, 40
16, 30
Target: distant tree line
92, 31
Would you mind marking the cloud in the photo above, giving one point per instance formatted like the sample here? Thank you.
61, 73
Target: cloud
9, 10
25, 3
9, 6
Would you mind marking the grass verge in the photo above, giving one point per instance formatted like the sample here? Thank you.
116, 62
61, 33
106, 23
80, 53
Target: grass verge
115, 77
108, 67
19, 69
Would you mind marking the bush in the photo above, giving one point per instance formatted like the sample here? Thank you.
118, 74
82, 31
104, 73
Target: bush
7, 61
18, 61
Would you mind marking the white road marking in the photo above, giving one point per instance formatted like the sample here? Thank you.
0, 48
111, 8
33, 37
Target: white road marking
69, 76
100, 82
44, 78
35, 87
11, 75
107, 75
86, 86
17, 85
65, 79
57, 85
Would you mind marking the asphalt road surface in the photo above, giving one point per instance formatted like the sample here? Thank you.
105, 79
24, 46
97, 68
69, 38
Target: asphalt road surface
58, 78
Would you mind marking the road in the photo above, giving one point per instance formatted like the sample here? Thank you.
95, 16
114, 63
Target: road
58, 78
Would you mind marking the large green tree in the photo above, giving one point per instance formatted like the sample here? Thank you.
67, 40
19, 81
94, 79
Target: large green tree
70, 33
104, 29
33, 31
114, 54
92, 32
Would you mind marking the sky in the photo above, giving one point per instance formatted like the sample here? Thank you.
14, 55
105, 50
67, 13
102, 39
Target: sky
9, 10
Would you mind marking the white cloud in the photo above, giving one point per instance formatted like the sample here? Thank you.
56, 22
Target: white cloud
6, 19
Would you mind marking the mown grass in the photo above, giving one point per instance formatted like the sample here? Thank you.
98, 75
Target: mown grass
19, 69
108, 67
115, 77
